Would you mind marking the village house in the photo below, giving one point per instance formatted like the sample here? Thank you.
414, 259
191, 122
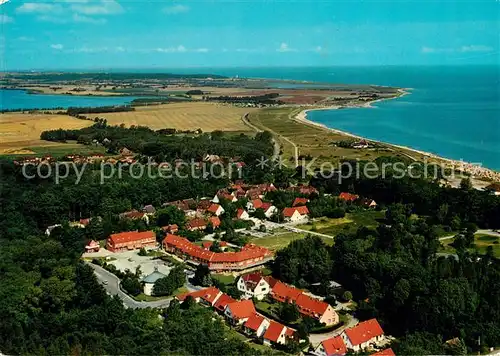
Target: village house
386, 352
331, 347
149, 281
256, 325
203, 205
134, 215
196, 224
149, 210
215, 221
254, 204
303, 189
222, 302
238, 312
348, 197
224, 195
242, 214
215, 209
208, 296
92, 246
367, 203
296, 214
131, 240
300, 202
275, 333
171, 229
364, 335
269, 209
253, 285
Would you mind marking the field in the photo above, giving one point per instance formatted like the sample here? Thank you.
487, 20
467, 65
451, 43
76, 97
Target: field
348, 224
183, 116
281, 239
481, 243
20, 133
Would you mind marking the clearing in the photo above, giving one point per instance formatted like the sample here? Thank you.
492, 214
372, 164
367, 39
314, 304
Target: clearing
282, 238
183, 116
20, 133
481, 243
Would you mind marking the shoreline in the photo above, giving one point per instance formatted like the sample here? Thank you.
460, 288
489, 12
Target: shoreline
461, 166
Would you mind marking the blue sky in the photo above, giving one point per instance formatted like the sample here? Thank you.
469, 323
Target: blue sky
100, 34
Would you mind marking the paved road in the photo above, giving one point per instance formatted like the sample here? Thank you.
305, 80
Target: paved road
295, 229
316, 339
276, 145
113, 288
483, 232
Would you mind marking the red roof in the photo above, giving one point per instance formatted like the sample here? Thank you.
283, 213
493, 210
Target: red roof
130, 236
223, 301
386, 352
240, 212
196, 223
364, 331
252, 277
288, 212
170, 228
311, 306
302, 210
282, 292
208, 295
257, 203
254, 321
215, 221
266, 206
272, 281
300, 201
213, 208
348, 196
274, 331
242, 309
334, 346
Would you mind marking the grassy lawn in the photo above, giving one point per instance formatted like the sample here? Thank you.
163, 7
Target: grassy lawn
481, 243
180, 291
224, 279
150, 298
348, 224
282, 239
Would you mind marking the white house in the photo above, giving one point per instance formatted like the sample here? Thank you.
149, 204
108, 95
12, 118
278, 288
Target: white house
363, 336
150, 280
269, 209
216, 209
296, 213
242, 214
256, 325
254, 204
253, 285
238, 312
275, 333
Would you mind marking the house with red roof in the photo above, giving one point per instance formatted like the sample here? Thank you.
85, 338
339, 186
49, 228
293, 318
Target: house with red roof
386, 352
348, 197
196, 224
92, 246
253, 285
275, 333
285, 293
222, 302
242, 214
269, 209
331, 347
215, 209
256, 325
224, 195
303, 189
300, 202
367, 203
364, 335
135, 215
171, 229
239, 312
130, 240
254, 204
207, 296
296, 213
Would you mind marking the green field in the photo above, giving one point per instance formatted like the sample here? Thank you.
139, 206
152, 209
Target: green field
348, 224
481, 243
224, 279
281, 239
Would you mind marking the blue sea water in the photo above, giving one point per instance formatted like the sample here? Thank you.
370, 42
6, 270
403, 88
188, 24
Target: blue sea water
451, 111
21, 99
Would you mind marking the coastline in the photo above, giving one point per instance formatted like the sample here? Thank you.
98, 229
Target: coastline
465, 167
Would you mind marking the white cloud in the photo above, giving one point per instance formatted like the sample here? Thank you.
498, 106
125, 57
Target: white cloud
88, 19
43, 8
53, 19
284, 47
25, 39
5, 19
104, 7
180, 49
202, 50
476, 48
176, 9
57, 46
463, 49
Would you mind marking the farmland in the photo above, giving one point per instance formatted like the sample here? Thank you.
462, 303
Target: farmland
19, 133
183, 116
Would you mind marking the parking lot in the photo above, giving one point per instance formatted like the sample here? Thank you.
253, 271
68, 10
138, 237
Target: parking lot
130, 260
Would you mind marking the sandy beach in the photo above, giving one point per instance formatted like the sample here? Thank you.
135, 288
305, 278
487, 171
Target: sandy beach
473, 170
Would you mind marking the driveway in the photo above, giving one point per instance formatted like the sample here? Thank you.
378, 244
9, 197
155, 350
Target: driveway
316, 339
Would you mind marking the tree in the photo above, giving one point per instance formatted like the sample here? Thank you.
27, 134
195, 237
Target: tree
132, 285
170, 215
202, 276
167, 285
215, 247
288, 312
465, 184
347, 296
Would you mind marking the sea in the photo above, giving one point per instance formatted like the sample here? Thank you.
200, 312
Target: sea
451, 111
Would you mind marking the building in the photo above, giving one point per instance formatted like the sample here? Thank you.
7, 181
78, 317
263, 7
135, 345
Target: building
386, 352
92, 246
242, 214
494, 188
196, 224
249, 256
222, 302
296, 213
208, 296
254, 204
135, 215
300, 202
238, 312
364, 335
348, 197
170, 229
303, 189
367, 203
224, 195
269, 209
307, 305
253, 285
215, 209
131, 240
331, 347
215, 221
149, 209
149, 281
256, 325
207, 244
275, 333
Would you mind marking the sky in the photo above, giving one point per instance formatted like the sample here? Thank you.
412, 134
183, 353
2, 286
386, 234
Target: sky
107, 34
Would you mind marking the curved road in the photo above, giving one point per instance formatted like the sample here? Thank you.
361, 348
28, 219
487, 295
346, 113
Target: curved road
276, 145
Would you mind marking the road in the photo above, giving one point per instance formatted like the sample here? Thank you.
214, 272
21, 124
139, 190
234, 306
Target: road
316, 339
483, 232
113, 288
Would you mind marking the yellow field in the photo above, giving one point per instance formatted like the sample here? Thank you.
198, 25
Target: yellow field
19, 131
183, 116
